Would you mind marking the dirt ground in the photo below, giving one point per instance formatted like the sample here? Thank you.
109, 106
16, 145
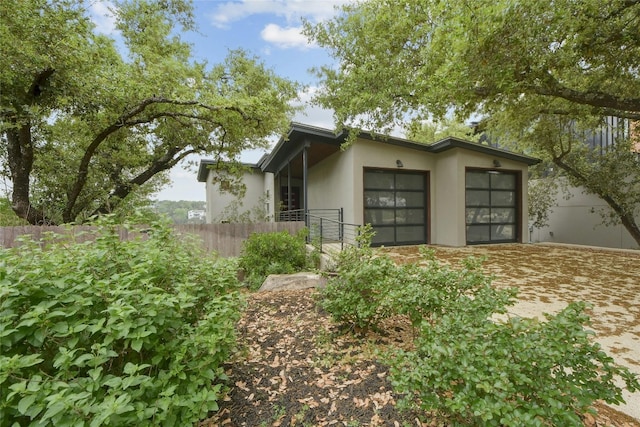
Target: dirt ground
295, 366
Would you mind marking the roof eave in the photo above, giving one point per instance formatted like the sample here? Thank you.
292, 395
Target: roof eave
452, 142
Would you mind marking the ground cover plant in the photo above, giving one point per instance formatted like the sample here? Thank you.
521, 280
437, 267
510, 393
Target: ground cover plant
114, 332
468, 365
274, 253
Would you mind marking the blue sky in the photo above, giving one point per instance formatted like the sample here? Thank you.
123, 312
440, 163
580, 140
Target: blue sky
268, 29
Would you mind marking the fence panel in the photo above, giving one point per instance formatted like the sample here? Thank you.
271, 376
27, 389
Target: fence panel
225, 239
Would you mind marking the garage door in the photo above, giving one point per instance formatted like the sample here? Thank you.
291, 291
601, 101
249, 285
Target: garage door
395, 204
491, 207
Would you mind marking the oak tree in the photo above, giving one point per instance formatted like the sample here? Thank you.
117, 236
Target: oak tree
88, 120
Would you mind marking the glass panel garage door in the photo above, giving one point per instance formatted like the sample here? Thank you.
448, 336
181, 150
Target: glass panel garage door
395, 204
491, 207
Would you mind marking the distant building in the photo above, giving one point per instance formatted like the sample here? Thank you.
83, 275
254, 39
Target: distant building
196, 214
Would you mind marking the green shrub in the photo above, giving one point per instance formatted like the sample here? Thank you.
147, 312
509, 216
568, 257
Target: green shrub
111, 332
431, 289
521, 372
359, 295
273, 253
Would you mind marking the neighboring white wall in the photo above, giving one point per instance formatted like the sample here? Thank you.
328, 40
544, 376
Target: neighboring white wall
578, 221
218, 203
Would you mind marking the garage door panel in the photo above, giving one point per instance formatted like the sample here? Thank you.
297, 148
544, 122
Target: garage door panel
491, 213
410, 234
478, 215
410, 216
478, 179
478, 198
503, 181
478, 233
395, 204
503, 198
410, 199
379, 216
504, 232
383, 235
377, 199
410, 182
377, 180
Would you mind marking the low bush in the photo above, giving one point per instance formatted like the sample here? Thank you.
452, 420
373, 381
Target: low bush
513, 373
358, 296
114, 332
431, 289
273, 253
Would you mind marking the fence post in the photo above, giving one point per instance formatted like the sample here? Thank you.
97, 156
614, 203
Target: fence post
321, 235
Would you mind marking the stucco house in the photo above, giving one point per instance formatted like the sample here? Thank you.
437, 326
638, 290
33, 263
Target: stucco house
452, 192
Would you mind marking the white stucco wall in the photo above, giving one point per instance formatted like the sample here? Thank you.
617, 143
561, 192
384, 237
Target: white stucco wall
218, 203
578, 221
447, 201
330, 183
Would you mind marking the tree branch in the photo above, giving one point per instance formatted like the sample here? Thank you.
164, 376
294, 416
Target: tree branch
122, 190
623, 107
127, 120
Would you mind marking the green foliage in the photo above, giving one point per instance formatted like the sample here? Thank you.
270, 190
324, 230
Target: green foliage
433, 131
468, 365
114, 332
477, 371
359, 295
87, 124
7, 215
431, 289
273, 253
370, 287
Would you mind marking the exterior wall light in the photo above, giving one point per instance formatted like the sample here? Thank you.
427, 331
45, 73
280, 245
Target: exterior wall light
496, 163
399, 163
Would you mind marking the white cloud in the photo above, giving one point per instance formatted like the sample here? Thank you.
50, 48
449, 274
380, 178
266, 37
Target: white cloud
291, 10
290, 37
101, 15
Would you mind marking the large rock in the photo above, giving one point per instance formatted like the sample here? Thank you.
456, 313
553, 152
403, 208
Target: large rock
282, 282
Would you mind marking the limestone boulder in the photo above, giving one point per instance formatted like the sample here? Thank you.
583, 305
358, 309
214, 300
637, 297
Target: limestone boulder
282, 282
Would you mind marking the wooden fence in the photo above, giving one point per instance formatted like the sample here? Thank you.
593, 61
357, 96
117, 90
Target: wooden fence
225, 239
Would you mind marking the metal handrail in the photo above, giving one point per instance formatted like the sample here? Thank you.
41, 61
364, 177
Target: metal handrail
323, 229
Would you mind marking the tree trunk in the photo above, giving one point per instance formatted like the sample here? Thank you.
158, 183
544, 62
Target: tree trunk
631, 225
20, 157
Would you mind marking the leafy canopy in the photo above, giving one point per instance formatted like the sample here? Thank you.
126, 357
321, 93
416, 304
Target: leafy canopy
87, 120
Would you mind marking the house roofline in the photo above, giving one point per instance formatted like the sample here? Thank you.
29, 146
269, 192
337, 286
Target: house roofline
289, 146
203, 168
